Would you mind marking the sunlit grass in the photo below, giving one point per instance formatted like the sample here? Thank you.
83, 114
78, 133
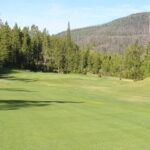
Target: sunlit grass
45, 111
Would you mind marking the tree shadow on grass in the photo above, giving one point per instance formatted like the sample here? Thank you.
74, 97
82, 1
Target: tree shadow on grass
18, 104
12, 78
7, 71
6, 74
15, 90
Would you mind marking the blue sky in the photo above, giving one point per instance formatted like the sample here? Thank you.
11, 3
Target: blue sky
54, 14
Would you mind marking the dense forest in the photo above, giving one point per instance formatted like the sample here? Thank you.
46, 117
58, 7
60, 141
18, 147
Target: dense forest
30, 48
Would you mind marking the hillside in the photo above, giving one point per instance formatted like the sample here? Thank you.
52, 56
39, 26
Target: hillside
115, 35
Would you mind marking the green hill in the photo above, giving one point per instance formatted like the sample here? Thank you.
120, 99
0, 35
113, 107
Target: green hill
115, 35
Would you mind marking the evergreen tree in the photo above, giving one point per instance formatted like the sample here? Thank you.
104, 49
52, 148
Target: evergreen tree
105, 67
3, 53
71, 60
36, 47
26, 55
46, 50
16, 45
61, 56
5, 43
96, 63
146, 63
84, 59
115, 64
132, 62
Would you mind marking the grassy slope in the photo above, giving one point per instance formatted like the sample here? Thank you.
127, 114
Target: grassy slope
42, 111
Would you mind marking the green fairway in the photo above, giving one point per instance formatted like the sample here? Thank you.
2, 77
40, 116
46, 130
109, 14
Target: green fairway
44, 111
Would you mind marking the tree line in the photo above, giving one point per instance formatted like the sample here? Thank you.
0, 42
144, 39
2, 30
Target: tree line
30, 48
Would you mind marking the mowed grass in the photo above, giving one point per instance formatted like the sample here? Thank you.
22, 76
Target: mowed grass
44, 111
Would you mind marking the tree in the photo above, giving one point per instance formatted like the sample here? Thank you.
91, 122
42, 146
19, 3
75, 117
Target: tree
26, 55
72, 53
46, 50
132, 62
84, 59
5, 43
16, 43
146, 62
36, 46
96, 63
105, 66
3, 53
61, 56
114, 64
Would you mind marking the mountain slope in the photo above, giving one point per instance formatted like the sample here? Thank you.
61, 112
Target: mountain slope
115, 35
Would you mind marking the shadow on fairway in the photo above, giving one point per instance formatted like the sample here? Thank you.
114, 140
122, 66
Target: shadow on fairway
15, 90
6, 74
7, 71
6, 77
18, 104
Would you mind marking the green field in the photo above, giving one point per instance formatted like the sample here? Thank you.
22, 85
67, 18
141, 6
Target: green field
44, 111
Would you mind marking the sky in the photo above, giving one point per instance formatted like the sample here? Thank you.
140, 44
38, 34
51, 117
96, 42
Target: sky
55, 14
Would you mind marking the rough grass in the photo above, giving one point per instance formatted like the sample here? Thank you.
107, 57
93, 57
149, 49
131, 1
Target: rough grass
43, 111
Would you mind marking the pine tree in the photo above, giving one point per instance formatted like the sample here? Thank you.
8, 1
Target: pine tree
146, 62
36, 46
26, 55
71, 60
2, 53
84, 59
96, 63
132, 62
5, 43
16, 45
46, 49
61, 56
105, 66
115, 64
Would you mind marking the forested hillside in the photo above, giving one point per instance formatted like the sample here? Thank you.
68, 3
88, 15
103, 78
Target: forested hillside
115, 35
